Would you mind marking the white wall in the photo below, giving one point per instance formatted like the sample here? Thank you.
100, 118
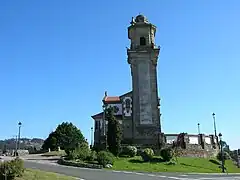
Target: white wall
193, 140
170, 139
208, 140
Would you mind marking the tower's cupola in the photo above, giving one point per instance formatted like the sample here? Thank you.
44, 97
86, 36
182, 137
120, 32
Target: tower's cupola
141, 33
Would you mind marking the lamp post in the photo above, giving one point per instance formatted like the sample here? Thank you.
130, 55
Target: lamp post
16, 145
91, 136
198, 128
19, 131
214, 124
222, 153
104, 123
104, 126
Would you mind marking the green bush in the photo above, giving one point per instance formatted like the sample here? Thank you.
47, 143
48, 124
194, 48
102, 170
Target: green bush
226, 156
139, 152
147, 154
62, 161
166, 154
12, 169
72, 155
130, 151
104, 158
82, 152
92, 156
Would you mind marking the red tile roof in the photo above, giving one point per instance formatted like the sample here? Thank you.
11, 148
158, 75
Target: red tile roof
111, 99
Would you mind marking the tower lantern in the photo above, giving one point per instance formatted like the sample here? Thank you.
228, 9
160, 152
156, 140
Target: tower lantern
141, 33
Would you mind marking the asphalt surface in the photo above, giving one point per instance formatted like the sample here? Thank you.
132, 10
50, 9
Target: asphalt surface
92, 174
50, 165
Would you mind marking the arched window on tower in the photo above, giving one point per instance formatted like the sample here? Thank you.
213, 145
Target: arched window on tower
142, 41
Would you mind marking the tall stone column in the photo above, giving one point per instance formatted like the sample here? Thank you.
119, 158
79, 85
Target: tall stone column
143, 57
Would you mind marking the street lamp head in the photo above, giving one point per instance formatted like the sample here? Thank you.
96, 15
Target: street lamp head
220, 135
19, 123
91, 128
198, 124
213, 114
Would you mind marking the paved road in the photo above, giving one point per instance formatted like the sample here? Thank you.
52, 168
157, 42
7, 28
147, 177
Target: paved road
90, 174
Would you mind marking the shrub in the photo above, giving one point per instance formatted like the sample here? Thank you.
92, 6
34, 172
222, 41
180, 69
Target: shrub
18, 166
147, 154
72, 155
82, 152
166, 154
11, 169
104, 158
130, 151
139, 152
62, 161
226, 156
92, 156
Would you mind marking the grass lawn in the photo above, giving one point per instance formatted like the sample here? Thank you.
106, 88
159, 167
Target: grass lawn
55, 153
30, 174
197, 165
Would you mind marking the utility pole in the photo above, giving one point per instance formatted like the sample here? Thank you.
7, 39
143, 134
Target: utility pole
19, 131
91, 136
222, 153
214, 123
16, 145
104, 126
198, 128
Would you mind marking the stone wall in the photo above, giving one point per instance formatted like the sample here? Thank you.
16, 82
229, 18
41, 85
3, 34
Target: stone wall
20, 152
200, 145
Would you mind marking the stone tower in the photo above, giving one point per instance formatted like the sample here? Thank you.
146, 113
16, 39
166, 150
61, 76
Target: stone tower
143, 57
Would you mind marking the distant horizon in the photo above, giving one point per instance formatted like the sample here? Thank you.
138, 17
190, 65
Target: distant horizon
23, 138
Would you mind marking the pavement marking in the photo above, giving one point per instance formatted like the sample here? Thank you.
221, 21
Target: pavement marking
162, 176
151, 175
139, 174
179, 178
127, 172
116, 171
174, 178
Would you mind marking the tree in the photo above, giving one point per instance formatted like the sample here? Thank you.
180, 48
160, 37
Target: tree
66, 136
113, 133
50, 142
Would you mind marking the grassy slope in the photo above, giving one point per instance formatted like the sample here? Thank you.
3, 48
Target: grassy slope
198, 165
41, 175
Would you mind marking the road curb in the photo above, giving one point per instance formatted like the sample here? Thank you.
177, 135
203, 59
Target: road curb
213, 173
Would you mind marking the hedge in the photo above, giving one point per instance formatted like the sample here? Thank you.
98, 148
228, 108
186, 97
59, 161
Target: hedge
62, 161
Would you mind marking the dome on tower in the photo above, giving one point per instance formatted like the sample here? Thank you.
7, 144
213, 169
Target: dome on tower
141, 18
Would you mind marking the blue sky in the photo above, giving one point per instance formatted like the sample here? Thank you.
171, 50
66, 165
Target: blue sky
58, 57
